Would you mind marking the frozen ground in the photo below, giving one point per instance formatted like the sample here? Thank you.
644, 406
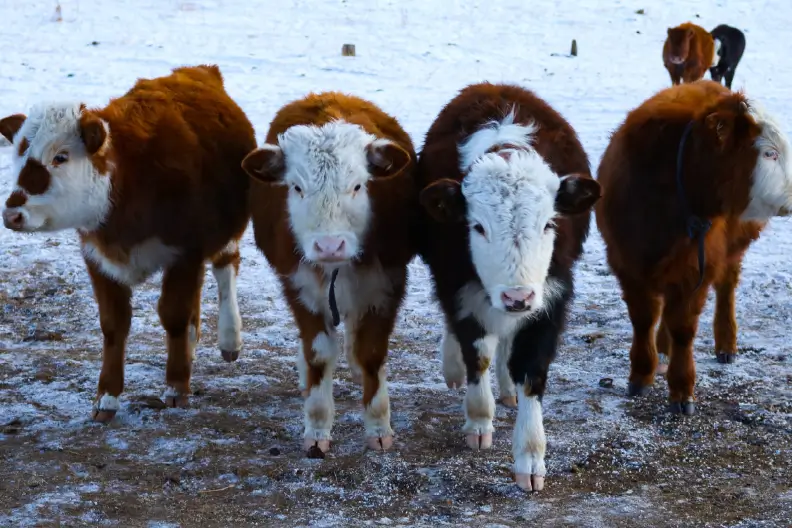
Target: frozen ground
234, 458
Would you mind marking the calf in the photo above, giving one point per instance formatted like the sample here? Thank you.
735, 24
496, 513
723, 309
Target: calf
729, 48
333, 204
507, 196
689, 180
688, 52
153, 181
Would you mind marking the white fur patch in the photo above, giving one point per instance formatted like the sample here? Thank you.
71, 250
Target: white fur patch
529, 442
229, 324
771, 192
325, 348
302, 368
454, 370
108, 403
319, 408
510, 210
78, 196
327, 173
357, 290
170, 392
144, 260
479, 407
376, 415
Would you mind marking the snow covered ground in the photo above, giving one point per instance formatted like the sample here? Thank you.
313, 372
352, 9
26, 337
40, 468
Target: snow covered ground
235, 457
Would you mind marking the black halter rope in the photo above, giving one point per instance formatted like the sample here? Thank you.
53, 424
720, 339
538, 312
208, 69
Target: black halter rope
333, 305
696, 226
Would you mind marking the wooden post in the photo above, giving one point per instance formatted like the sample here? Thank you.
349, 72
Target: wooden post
574, 48
348, 50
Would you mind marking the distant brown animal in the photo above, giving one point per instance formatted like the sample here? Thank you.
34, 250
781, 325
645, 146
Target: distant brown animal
688, 53
333, 207
153, 181
690, 156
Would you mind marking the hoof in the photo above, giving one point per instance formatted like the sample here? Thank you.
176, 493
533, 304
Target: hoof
178, 401
687, 408
455, 383
230, 355
633, 389
311, 446
726, 358
529, 482
380, 443
479, 441
102, 416
509, 401
304, 393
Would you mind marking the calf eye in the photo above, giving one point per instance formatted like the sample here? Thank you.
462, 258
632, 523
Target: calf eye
357, 187
771, 154
298, 189
479, 229
60, 157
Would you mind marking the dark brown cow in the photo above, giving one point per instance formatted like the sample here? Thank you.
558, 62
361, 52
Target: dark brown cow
332, 212
692, 156
151, 182
688, 53
507, 192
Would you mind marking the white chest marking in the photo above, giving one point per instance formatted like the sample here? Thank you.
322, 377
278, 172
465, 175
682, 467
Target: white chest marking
144, 260
357, 290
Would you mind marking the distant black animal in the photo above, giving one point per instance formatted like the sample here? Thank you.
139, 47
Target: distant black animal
729, 47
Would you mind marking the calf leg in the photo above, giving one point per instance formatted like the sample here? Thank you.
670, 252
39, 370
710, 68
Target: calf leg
370, 351
178, 307
454, 370
644, 310
478, 351
508, 392
725, 323
681, 315
225, 268
729, 77
320, 350
115, 317
533, 350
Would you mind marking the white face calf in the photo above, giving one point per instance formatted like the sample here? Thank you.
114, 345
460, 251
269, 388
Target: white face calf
58, 185
771, 192
327, 169
509, 200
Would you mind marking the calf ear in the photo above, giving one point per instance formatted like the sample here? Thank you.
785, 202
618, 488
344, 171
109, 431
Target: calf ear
576, 194
265, 164
386, 158
721, 125
92, 132
10, 125
443, 200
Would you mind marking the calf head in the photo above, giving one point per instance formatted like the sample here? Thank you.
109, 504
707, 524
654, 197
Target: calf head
510, 201
679, 40
327, 170
55, 159
771, 185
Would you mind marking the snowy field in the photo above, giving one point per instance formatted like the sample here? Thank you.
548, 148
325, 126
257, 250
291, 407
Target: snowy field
234, 458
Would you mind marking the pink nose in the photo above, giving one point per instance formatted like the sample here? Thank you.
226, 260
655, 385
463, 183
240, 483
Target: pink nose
330, 248
13, 219
517, 299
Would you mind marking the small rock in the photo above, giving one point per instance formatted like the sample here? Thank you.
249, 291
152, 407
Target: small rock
606, 383
274, 451
575, 469
70, 75
640, 12
94, 43
12, 427
173, 478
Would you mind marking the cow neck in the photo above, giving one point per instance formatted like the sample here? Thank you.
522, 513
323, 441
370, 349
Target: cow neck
696, 226
333, 304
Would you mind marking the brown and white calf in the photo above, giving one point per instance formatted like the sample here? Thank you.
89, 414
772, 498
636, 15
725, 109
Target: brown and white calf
333, 202
508, 196
153, 181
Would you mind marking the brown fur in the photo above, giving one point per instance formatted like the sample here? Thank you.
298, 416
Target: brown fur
10, 125
174, 156
695, 45
641, 220
389, 241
